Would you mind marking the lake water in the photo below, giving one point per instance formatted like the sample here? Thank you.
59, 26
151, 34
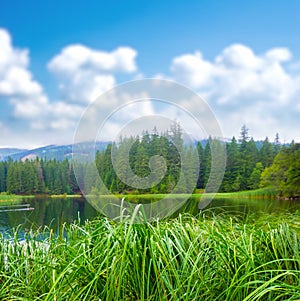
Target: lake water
55, 211
47, 212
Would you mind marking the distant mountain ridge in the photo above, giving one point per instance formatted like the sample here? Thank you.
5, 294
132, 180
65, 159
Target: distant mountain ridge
57, 152
6, 152
61, 152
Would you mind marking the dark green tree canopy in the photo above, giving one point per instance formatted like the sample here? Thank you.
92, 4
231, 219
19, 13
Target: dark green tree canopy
284, 173
247, 166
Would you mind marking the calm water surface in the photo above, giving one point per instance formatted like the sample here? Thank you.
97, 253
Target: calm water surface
47, 212
55, 211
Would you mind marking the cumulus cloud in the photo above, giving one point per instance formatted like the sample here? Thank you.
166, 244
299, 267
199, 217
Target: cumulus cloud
15, 79
238, 56
241, 86
236, 73
279, 54
244, 87
78, 57
84, 87
26, 95
192, 69
44, 115
85, 73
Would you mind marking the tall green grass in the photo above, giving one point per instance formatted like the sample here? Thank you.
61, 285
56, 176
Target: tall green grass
264, 193
209, 257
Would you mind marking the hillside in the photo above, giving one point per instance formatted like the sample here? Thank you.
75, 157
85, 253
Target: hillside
57, 152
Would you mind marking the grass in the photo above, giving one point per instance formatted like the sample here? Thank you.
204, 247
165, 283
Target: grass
258, 193
209, 257
65, 196
12, 199
268, 192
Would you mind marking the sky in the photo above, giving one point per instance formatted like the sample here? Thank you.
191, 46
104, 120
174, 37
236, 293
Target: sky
57, 57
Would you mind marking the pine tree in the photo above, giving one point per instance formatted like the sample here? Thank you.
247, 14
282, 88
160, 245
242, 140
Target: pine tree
206, 162
266, 153
14, 179
255, 176
232, 166
3, 175
200, 182
244, 137
276, 145
247, 159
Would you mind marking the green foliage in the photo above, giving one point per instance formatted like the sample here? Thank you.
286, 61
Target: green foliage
132, 159
238, 168
284, 173
255, 176
267, 153
205, 258
231, 181
245, 164
37, 176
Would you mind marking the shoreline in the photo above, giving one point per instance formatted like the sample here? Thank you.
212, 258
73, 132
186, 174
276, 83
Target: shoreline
248, 194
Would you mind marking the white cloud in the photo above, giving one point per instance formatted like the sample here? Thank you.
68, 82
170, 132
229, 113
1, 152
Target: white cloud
238, 56
83, 74
78, 57
18, 81
279, 54
192, 69
241, 86
86, 73
30, 103
9, 55
84, 87
238, 73
119, 123
30, 108
44, 115
244, 87
15, 79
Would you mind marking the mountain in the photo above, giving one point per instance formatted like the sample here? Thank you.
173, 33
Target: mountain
5, 152
61, 152
58, 152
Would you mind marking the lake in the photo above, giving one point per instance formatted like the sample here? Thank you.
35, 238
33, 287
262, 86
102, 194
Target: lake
55, 211
47, 212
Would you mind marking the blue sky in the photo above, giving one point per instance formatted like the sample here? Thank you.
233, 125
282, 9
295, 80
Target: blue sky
243, 57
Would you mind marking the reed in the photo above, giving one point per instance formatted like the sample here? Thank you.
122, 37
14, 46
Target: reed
208, 257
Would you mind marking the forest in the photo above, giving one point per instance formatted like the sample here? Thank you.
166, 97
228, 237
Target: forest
249, 165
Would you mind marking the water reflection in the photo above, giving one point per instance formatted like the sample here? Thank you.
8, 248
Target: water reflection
55, 211
47, 212
258, 206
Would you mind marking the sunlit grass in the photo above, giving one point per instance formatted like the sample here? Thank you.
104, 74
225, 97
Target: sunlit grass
258, 193
11, 199
205, 258
62, 196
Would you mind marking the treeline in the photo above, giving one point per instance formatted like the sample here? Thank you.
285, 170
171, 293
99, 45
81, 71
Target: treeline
284, 173
37, 176
248, 166
181, 164
245, 161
